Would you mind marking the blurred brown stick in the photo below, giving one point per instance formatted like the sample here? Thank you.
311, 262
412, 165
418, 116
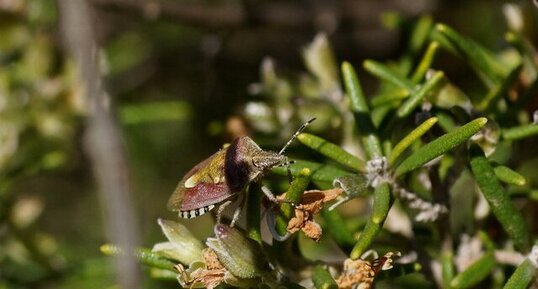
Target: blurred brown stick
102, 140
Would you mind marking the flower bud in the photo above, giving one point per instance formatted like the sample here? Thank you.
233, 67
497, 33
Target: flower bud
320, 61
182, 245
240, 255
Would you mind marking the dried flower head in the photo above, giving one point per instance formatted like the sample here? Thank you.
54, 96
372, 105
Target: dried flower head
311, 204
209, 276
360, 273
231, 258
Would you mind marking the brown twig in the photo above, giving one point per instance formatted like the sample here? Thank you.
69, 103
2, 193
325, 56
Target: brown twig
102, 140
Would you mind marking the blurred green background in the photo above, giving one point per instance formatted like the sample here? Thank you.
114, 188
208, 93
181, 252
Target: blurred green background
176, 71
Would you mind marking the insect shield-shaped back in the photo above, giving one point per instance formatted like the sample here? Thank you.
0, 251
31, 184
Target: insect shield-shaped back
221, 177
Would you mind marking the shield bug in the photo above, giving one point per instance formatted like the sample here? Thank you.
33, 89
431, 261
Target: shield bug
223, 177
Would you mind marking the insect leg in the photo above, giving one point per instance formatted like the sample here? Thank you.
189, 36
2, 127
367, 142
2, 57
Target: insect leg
221, 210
237, 212
269, 195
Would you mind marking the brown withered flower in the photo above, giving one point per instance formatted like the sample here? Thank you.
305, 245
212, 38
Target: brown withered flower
311, 204
210, 276
360, 274
229, 257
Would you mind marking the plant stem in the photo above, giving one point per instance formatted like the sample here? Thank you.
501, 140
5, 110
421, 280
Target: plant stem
382, 202
254, 199
293, 195
359, 106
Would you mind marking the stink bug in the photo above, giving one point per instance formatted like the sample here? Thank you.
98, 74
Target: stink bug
222, 177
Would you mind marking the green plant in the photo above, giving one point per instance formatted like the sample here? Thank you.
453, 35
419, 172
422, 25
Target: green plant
420, 148
39, 105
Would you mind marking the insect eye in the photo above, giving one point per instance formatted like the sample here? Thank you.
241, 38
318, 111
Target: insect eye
256, 162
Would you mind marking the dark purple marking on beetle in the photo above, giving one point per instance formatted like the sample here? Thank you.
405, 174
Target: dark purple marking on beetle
236, 168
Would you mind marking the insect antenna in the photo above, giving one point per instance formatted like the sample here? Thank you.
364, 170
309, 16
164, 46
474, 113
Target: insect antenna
287, 163
297, 133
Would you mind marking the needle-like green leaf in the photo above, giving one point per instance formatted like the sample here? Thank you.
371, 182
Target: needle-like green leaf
510, 218
143, 255
447, 268
293, 195
525, 273
385, 73
519, 132
296, 190
509, 176
420, 33
395, 95
425, 63
411, 138
482, 60
382, 200
360, 108
353, 88
446, 122
337, 228
525, 49
440, 146
320, 172
477, 272
416, 97
331, 151
322, 279
500, 89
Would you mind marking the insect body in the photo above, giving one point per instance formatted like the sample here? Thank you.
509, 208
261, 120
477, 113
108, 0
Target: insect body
224, 175
221, 177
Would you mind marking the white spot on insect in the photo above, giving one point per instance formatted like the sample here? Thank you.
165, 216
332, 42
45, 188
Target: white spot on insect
217, 180
196, 212
190, 182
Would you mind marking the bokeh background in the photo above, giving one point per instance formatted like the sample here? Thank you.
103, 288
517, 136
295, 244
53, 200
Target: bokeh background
176, 73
